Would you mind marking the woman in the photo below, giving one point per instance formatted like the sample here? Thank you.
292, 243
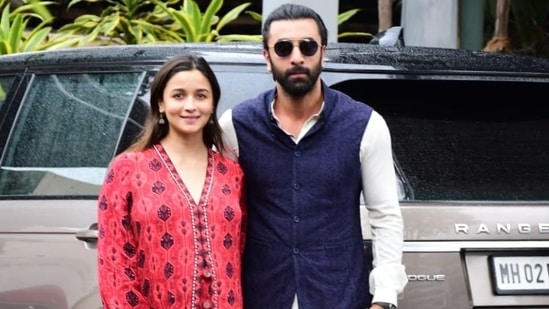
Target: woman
170, 209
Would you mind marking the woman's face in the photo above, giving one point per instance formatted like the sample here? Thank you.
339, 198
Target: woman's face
187, 102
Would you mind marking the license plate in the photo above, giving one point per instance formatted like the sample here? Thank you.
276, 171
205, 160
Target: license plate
520, 274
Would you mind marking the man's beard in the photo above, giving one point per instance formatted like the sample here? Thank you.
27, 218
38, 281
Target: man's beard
297, 87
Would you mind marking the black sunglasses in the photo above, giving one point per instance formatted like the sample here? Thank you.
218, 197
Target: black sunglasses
307, 47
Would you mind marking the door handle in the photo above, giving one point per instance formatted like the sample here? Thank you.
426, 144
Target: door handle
88, 235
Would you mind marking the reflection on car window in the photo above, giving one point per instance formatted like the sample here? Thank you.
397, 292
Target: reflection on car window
239, 86
5, 83
235, 86
66, 133
481, 140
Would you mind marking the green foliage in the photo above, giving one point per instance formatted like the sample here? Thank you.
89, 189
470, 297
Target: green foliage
152, 21
196, 26
122, 22
30, 8
255, 16
345, 16
14, 34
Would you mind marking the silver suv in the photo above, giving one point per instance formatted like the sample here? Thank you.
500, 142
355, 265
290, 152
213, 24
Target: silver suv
471, 145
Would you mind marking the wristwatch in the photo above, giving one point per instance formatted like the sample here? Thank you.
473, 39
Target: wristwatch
386, 305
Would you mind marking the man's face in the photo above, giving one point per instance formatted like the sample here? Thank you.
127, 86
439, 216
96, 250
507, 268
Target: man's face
295, 55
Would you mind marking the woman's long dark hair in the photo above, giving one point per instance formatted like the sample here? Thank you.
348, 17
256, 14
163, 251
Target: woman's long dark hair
153, 132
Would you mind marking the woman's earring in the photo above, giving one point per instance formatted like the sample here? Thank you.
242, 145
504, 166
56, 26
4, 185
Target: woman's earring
211, 121
161, 120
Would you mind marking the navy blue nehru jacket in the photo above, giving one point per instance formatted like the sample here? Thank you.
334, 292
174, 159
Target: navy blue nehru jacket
304, 234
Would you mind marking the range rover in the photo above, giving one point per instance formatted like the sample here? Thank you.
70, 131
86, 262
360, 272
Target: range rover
470, 135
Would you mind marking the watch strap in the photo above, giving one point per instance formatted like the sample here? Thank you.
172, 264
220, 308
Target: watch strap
385, 305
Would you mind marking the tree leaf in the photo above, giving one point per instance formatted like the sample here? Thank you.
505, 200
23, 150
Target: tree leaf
186, 24
16, 33
355, 34
61, 40
160, 32
40, 7
343, 17
195, 15
5, 48
232, 15
181, 19
5, 23
255, 16
35, 39
137, 34
74, 2
111, 23
208, 18
72, 42
88, 22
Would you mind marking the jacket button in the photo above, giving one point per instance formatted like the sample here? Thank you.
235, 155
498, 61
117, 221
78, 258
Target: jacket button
207, 304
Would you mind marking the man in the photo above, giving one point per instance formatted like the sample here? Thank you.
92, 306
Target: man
308, 152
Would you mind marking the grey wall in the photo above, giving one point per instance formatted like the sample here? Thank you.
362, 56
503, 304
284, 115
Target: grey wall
432, 23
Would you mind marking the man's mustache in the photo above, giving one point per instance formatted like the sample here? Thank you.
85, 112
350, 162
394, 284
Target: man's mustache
297, 70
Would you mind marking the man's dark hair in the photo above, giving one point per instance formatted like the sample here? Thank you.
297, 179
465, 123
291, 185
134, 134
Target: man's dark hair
290, 11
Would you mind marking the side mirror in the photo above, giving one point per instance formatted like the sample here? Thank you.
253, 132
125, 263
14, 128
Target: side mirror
391, 37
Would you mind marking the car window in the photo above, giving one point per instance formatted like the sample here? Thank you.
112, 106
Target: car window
475, 140
236, 85
5, 83
66, 133
239, 86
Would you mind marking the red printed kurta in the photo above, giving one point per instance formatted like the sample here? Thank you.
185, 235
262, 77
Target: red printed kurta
157, 248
